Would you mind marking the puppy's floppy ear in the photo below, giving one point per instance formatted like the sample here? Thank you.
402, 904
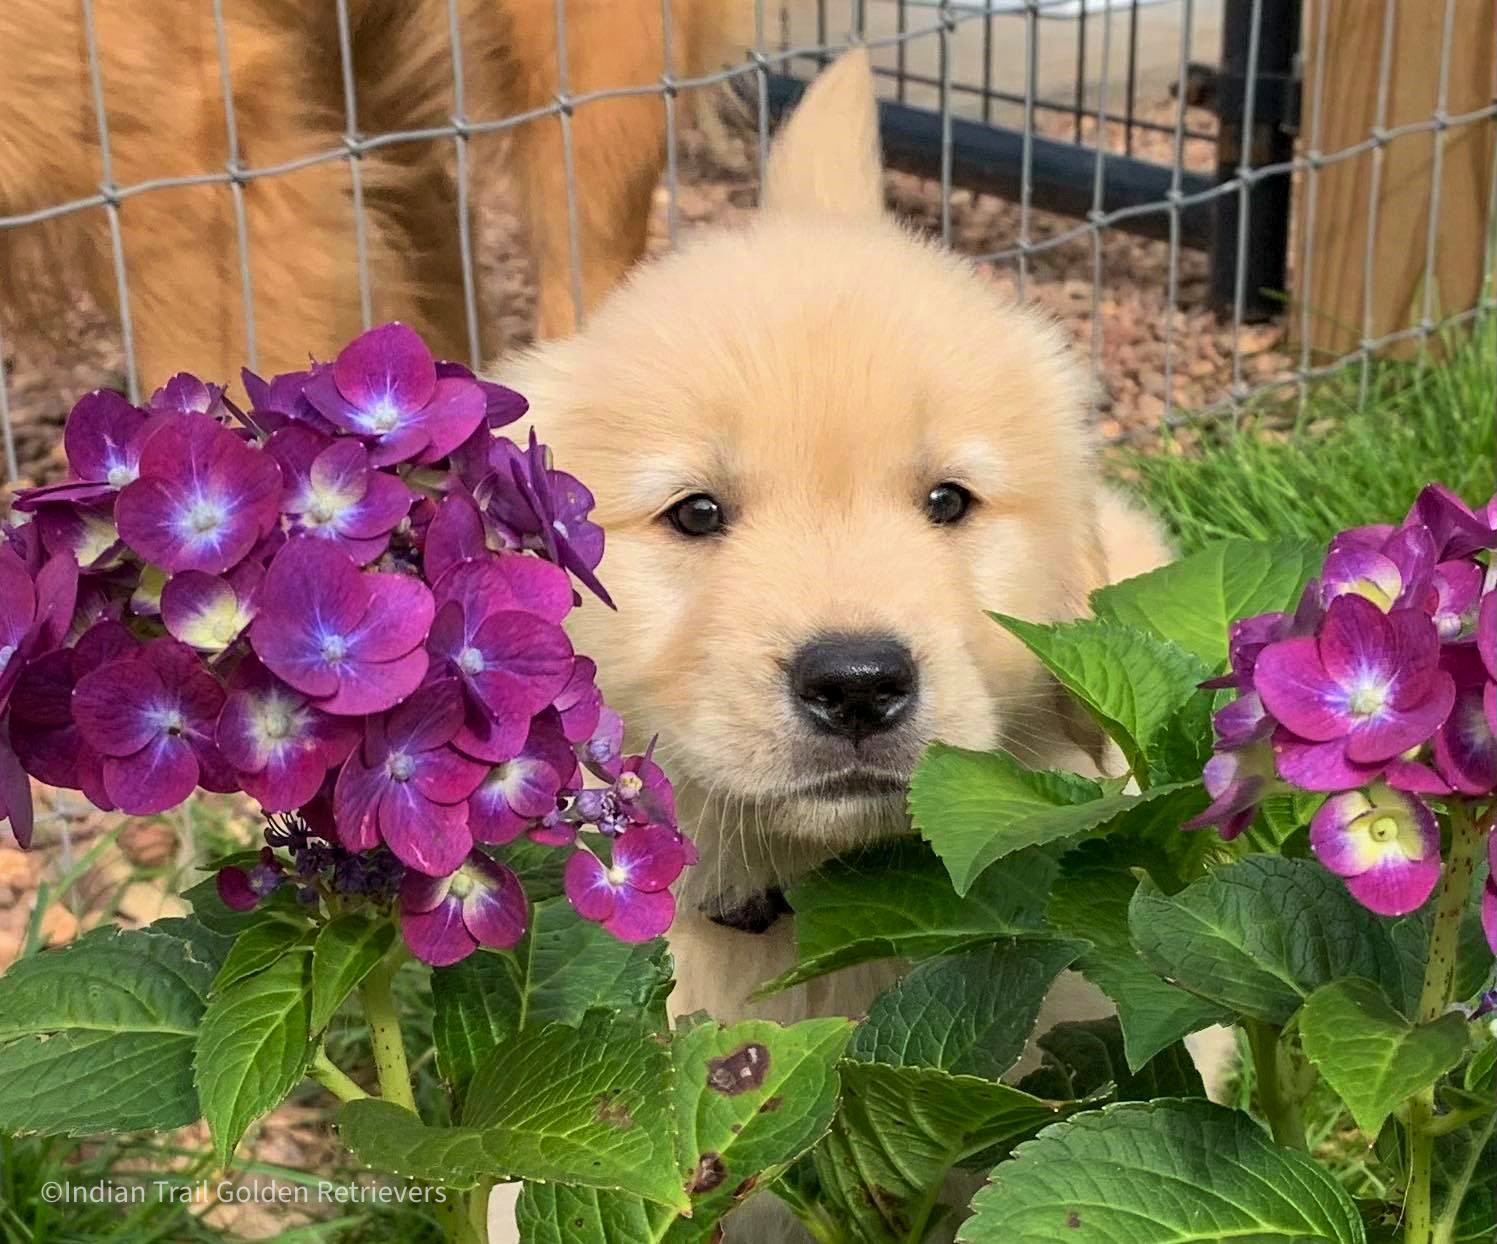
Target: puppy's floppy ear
826, 158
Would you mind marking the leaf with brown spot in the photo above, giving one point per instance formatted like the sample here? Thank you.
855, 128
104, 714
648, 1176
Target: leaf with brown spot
607, 1111
756, 1095
1158, 1172
729, 1144
740, 1071
587, 1105
710, 1173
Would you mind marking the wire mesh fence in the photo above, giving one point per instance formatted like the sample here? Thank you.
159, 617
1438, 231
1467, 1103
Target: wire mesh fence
1165, 176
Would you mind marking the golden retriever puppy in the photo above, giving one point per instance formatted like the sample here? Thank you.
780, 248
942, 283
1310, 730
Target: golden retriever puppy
821, 448
163, 98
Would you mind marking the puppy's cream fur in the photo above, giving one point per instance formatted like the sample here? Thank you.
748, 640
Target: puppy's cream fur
818, 372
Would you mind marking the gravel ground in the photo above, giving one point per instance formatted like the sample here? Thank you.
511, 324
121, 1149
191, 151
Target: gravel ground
1126, 341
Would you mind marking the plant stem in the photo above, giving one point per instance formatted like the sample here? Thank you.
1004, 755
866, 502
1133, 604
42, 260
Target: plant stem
464, 1216
333, 1078
1445, 1228
384, 1032
1281, 1109
1466, 843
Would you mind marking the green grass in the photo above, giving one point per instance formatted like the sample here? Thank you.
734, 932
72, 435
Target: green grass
1338, 466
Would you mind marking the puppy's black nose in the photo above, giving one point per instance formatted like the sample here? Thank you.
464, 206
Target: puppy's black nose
854, 685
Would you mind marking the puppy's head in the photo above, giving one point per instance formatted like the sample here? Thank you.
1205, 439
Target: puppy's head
821, 448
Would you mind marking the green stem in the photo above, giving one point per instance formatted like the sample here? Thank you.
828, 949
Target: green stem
1445, 1228
464, 1216
333, 1078
384, 1032
1281, 1109
1466, 843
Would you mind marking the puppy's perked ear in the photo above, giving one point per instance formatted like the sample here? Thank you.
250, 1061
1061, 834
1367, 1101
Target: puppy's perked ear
825, 161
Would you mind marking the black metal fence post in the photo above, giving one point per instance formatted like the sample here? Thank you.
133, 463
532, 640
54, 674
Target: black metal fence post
1274, 122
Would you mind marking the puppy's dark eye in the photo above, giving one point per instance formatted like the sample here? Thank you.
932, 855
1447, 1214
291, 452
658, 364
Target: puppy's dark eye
947, 503
696, 515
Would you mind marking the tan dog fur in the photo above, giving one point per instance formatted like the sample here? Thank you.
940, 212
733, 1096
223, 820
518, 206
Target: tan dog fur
818, 372
159, 70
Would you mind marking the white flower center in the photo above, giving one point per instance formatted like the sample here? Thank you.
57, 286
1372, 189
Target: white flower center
205, 516
460, 886
172, 721
119, 475
617, 875
383, 417
277, 723
400, 767
5, 655
333, 649
1368, 699
470, 661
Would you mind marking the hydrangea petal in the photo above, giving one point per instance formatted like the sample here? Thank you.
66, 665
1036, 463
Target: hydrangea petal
374, 686
1318, 766
204, 498
15, 794
1465, 747
17, 603
386, 365
1294, 687
385, 502
456, 408
419, 892
580, 703
640, 915
430, 837
356, 797
204, 611
650, 856
1486, 633
444, 776
454, 535
102, 438
113, 706
1393, 889
157, 777
587, 887
439, 936
494, 910
427, 720
1344, 853
397, 619
1384, 843
234, 889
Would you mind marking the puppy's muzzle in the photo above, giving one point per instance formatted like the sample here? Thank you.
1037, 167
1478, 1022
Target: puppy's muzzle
853, 686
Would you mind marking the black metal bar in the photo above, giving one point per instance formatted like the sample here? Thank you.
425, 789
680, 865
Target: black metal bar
1043, 105
1275, 118
989, 160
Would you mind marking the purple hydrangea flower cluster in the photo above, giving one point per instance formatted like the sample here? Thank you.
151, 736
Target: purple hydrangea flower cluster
1379, 690
345, 601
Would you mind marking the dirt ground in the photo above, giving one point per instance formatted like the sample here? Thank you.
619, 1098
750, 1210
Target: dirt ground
1126, 344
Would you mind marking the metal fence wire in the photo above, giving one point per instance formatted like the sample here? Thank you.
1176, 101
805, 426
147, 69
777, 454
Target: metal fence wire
1043, 137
